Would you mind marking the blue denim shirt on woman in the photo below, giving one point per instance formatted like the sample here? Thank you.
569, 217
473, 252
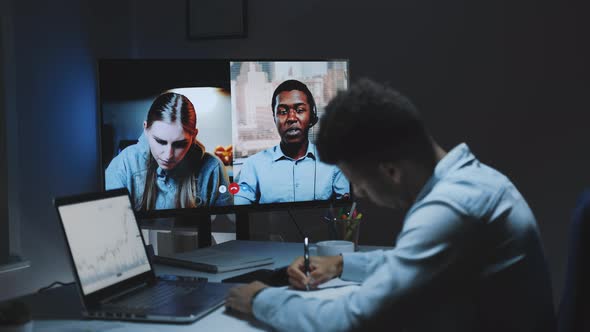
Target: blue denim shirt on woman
129, 168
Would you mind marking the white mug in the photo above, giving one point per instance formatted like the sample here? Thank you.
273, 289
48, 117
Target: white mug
334, 248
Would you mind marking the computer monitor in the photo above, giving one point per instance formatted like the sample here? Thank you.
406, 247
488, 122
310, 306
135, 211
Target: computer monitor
221, 135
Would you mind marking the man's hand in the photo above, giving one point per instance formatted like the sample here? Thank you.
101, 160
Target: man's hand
240, 298
322, 269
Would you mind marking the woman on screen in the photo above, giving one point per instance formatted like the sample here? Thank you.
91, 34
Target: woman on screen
168, 168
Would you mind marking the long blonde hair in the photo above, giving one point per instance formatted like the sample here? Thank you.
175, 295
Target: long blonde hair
173, 107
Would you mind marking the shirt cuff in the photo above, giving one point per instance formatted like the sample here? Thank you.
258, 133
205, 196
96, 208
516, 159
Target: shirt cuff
264, 305
354, 266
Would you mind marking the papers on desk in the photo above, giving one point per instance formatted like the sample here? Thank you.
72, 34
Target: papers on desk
212, 260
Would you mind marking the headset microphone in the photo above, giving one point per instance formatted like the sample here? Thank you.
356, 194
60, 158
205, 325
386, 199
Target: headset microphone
314, 117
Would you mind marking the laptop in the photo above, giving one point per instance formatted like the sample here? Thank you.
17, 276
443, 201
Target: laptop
113, 271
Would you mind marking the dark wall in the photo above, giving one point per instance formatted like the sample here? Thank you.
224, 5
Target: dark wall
55, 153
507, 77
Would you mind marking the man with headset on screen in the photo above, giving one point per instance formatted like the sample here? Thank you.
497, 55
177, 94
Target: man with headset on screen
290, 171
468, 258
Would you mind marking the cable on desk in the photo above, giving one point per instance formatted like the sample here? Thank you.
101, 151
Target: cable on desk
296, 225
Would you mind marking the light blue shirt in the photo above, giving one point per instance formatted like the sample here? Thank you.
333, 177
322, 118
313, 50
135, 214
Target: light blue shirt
469, 258
129, 168
270, 176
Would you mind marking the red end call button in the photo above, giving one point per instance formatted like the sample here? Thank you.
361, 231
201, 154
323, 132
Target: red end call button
234, 188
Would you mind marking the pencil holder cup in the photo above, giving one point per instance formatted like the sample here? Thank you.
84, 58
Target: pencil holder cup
345, 230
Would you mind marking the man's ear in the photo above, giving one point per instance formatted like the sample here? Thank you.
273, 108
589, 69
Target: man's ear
145, 127
391, 170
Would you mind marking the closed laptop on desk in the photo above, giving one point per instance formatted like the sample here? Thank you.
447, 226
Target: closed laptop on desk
213, 261
113, 271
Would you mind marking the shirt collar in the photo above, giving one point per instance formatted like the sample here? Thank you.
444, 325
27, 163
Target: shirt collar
454, 159
277, 152
457, 157
161, 173
143, 142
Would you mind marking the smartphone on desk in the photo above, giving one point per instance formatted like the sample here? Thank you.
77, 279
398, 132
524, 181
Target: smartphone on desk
276, 278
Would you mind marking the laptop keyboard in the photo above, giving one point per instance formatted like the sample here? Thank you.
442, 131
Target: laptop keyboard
157, 296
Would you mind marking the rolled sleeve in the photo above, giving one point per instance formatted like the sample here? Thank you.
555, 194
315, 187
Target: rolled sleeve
358, 266
263, 307
341, 186
296, 313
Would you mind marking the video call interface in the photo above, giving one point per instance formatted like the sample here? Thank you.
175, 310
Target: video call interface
256, 121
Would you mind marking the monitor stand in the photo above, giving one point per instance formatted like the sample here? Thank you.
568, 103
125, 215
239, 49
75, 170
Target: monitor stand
242, 226
204, 232
200, 223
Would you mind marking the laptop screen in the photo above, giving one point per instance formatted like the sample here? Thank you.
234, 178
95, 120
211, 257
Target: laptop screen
105, 241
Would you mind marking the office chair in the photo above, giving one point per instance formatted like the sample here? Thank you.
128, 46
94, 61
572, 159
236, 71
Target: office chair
574, 309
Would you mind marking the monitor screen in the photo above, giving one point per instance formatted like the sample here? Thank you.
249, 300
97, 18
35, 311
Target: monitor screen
218, 134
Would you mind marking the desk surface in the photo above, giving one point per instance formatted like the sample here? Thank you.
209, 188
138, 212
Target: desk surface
283, 254
64, 315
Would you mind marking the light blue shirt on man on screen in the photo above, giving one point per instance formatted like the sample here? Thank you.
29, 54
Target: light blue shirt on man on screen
270, 176
468, 258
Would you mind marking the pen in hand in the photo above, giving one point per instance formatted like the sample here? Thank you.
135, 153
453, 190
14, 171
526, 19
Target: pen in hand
306, 260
